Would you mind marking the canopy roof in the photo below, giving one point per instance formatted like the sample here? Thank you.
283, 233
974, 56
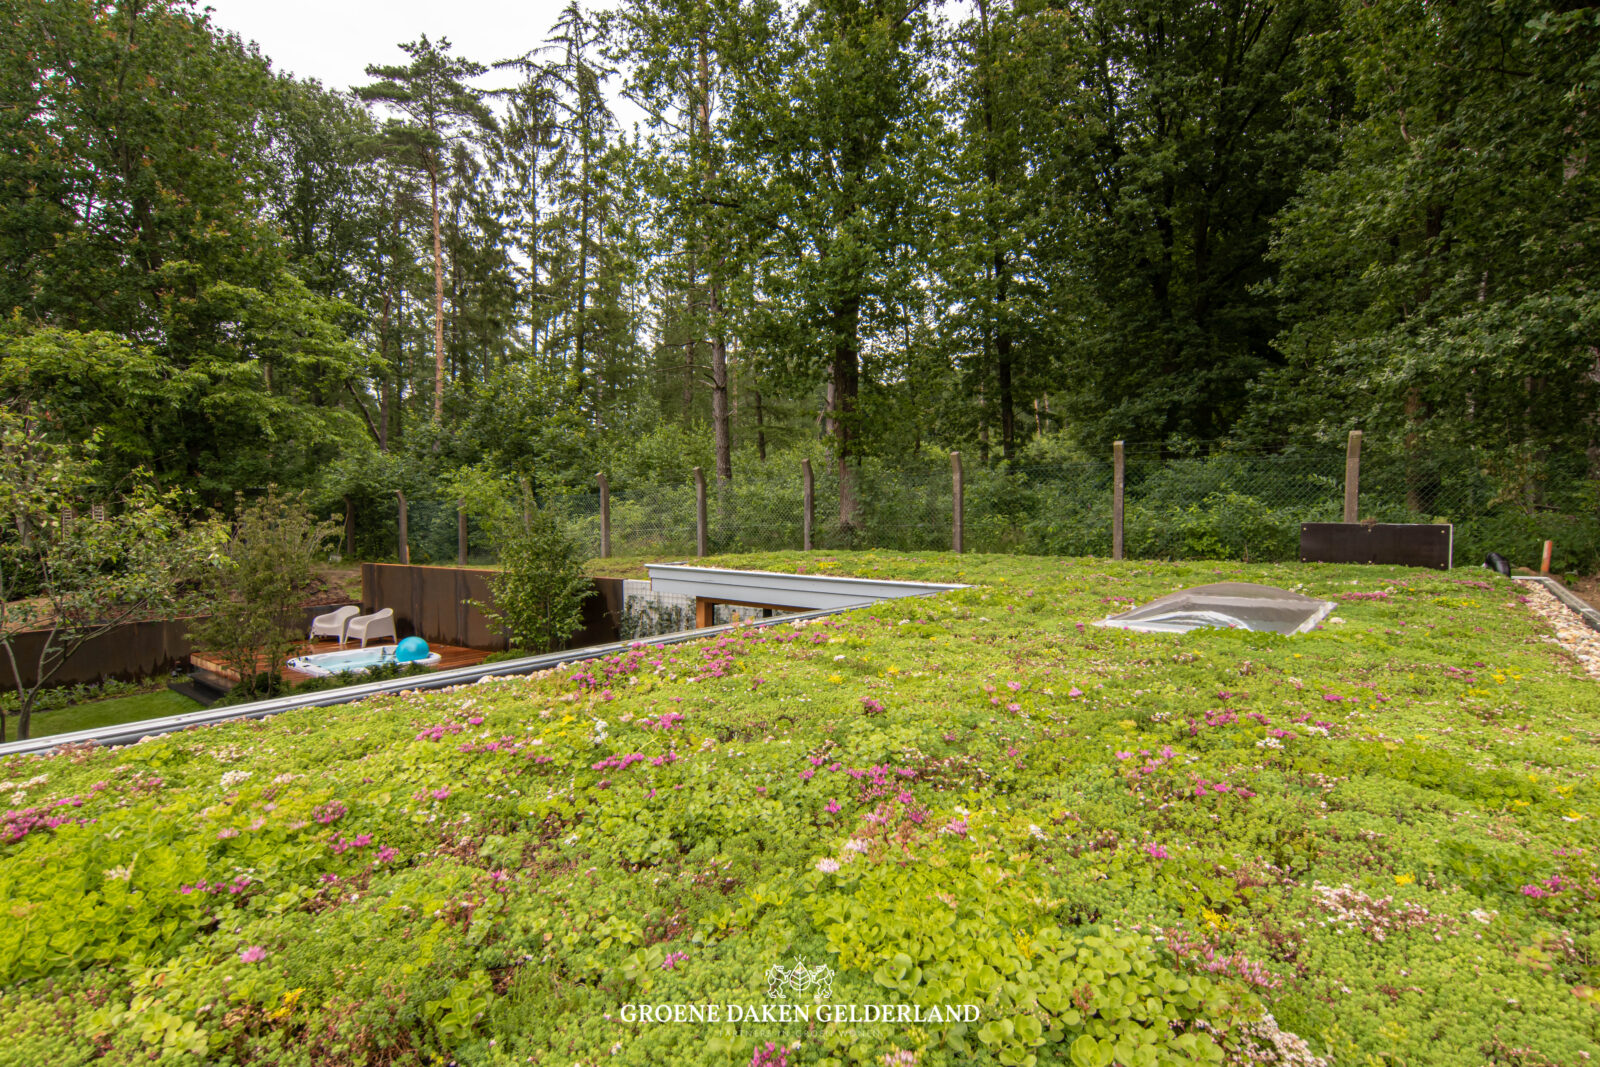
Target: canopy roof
1230, 605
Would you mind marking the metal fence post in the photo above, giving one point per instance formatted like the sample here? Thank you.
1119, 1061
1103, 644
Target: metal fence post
1118, 469
605, 516
957, 495
527, 505
1352, 478
461, 533
810, 494
349, 526
405, 547
699, 512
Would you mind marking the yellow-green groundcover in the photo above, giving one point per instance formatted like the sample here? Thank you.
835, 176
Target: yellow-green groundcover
1370, 844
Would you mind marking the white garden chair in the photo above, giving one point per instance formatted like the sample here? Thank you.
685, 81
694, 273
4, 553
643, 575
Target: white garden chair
333, 623
367, 627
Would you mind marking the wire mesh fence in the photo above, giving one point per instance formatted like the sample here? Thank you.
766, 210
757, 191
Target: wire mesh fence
1220, 506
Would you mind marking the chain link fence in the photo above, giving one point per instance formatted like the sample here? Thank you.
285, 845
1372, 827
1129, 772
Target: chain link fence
1221, 506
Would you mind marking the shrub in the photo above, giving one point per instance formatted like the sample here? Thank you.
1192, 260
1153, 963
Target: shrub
538, 594
265, 686
83, 693
253, 595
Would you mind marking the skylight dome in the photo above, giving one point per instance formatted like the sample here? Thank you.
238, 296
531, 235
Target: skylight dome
1225, 605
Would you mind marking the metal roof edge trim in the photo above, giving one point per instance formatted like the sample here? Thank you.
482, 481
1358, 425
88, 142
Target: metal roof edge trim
130, 733
830, 584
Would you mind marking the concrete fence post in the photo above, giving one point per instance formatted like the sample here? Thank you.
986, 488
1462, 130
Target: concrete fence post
1118, 470
957, 506
1352, 478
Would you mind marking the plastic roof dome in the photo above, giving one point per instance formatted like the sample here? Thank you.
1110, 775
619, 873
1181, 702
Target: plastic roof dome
1227, 605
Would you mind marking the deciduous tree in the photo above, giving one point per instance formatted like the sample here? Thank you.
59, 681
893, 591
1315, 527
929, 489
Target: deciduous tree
67, 579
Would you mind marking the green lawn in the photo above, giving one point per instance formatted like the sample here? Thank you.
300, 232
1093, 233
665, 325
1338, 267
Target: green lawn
111, 712
1117, 848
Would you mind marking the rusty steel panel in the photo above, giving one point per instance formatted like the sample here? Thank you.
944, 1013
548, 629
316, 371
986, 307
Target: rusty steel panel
1410, 544
128, 653
434, 603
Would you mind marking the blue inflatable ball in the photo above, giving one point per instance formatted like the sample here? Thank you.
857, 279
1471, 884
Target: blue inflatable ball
410, 650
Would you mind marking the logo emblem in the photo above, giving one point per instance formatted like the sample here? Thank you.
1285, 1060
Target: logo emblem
800, 982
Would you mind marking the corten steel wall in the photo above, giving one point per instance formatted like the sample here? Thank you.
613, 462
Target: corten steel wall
1413, 544
128, 653
431, 602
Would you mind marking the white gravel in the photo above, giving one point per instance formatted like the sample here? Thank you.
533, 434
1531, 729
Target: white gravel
1571, 632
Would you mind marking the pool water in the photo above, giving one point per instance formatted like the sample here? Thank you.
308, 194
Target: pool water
352, 662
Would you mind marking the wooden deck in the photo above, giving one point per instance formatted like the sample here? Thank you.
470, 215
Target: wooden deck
222, 676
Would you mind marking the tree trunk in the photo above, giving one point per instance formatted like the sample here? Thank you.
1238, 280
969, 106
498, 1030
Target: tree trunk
383, 375
581, 337
535, 303
720, 428
41, 676
1413, 472
438, 299
719, 400
846, 383
403, 547
761, 432
400, 375
691, 348
983, 429
1002, 355
1002, 347
455, 351
1593, 449
25, 715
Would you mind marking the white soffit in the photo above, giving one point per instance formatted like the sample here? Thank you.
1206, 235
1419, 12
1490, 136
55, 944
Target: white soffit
781, 590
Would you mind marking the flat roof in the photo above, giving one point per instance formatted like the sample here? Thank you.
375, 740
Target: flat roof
773, 588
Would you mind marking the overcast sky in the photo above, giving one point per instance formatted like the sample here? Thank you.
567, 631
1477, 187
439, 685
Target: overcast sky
334, 40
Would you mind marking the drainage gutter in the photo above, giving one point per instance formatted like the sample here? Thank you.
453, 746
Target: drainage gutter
1565, 595
132, 732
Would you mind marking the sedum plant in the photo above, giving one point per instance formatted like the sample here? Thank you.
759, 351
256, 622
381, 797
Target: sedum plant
1374, 843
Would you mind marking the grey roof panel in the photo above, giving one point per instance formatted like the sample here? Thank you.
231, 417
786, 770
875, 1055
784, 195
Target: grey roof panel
786, 590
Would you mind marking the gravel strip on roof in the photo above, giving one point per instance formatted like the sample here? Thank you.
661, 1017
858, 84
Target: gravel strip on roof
1571, 632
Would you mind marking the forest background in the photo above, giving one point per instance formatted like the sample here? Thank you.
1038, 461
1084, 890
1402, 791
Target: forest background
864, 233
